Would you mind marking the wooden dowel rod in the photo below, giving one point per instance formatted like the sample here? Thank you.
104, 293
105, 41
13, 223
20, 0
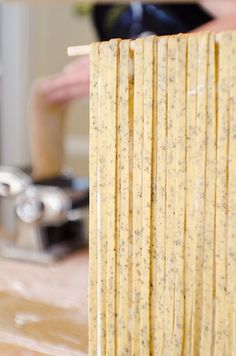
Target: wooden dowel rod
84, 50
78, 50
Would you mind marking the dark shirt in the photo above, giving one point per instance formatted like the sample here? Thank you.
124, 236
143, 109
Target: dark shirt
131, 20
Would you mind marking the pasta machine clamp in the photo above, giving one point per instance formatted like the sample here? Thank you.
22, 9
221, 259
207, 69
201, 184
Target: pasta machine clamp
50, 217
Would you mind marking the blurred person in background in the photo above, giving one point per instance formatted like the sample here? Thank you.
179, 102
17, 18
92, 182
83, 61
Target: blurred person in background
134, 20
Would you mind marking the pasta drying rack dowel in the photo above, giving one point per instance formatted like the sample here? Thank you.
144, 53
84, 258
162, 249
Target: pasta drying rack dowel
84, 50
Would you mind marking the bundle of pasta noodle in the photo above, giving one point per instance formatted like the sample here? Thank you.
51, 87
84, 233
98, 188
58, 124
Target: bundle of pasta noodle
163, 196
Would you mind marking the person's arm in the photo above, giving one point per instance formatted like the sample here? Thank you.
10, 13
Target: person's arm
219, 8
72, 83
219, 24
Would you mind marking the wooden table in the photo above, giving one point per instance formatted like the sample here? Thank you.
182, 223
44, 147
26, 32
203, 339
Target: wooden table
43, 309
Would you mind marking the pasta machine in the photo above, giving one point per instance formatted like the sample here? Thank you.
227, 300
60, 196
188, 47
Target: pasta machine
50, 216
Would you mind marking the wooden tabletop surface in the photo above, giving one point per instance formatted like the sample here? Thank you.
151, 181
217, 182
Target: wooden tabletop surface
43, 309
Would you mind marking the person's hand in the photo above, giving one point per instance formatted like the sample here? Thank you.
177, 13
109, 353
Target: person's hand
225, 13
71, 84
224, 23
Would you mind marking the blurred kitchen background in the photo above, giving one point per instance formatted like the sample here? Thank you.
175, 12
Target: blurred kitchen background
33, 44
34, 41
43, 307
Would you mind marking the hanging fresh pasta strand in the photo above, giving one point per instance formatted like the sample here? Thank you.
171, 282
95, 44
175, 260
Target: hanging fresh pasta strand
159, 197
234, 323
103, 198
221, 191
137, 191
113, 50
179, 232
146, 196
200, 182
123, 347
231, 243
153, 274
191, 112
93, 224
209, 240
118, 204
131, 149
170, 196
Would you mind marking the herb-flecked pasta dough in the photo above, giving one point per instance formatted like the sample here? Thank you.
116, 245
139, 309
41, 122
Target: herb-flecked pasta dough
123, 213
162, 275
222, 191
231, 246
158, 195
210, 190
199, 191
93, 227
191, 113
170, 195
137, 191
103, 197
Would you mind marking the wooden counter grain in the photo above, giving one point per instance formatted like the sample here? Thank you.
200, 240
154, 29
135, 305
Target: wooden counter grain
43, 309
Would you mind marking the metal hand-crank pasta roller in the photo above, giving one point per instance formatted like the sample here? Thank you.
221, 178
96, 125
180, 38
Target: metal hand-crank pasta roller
50, 216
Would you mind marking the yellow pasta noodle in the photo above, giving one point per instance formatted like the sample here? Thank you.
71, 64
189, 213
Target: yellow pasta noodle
137, 192
159, 198
221, 192
231, 245
111, 205
162, 276
209, 238
179, 231
146, 196
191, 114
123, 213
103, 198
199, 203
93, 228
170, 196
